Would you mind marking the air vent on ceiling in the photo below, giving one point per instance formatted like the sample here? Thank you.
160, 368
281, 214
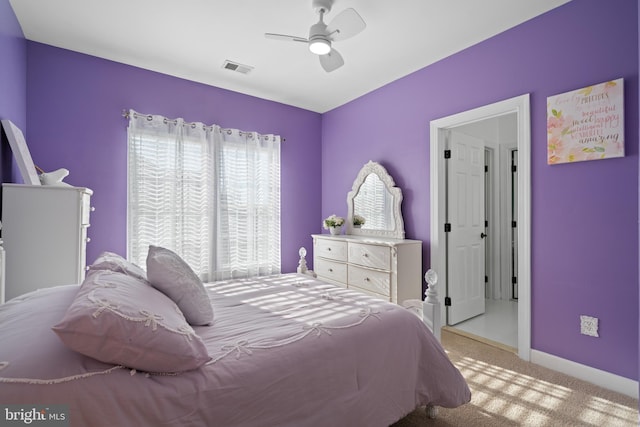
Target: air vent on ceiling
234, 66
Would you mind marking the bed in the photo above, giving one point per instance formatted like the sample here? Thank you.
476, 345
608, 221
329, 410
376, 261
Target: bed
284, 350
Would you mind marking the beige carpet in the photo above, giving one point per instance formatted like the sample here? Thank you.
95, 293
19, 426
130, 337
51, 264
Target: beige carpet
507, 391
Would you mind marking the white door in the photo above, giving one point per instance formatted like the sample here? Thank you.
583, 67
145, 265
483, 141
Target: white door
466, 214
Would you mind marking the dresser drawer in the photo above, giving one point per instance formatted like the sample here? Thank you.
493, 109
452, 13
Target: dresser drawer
331, 249
370, 255
373, 280
335, 271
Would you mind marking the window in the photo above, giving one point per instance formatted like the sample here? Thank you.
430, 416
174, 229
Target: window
211, 195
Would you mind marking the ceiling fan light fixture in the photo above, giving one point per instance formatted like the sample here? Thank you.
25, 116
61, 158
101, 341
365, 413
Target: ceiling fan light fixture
320, 46
321, 36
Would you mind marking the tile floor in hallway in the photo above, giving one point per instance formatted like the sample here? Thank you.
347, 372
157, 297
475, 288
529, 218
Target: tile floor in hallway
499, 323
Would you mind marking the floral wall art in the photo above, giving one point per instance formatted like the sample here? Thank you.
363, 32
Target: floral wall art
586, 124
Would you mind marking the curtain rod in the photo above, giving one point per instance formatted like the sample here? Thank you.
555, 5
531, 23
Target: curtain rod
125, 114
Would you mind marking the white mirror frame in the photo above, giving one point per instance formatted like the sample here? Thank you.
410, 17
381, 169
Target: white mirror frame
21, 153
396, 193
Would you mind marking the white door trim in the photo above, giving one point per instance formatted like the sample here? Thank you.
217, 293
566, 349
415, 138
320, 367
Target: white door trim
438, 128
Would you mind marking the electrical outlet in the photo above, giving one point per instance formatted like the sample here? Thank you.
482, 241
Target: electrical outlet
589, 326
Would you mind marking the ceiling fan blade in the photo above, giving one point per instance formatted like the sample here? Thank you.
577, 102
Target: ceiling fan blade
331, 61
346, 24
285, 37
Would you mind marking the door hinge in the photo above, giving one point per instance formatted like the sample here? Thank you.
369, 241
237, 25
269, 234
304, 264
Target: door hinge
447, 154
486, 279
486, 168
514, 280
486, 223
514, 224
447, 301
447, 227
514, 168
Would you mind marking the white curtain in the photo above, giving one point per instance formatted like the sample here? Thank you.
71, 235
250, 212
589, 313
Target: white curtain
210, 194
247, 204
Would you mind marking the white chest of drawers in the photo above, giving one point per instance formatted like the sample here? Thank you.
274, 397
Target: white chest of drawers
44, 233
390, 269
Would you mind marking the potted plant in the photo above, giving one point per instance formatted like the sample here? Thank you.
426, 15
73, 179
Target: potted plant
358, 221
333, 223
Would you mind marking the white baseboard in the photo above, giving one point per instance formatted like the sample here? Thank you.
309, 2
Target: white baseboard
586, 373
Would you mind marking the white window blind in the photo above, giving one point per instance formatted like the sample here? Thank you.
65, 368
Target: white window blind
374, 197
211, 195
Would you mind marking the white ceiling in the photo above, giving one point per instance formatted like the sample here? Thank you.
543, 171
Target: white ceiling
192, 38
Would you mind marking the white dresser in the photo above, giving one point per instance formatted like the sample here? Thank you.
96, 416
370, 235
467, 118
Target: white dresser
44, 233
387, 268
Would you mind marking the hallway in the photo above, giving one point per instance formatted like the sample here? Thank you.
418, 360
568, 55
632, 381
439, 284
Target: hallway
499, 323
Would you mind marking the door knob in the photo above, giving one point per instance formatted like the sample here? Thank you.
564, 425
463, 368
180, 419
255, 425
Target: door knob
482, 235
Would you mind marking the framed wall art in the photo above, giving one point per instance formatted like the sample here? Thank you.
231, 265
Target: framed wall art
586, 124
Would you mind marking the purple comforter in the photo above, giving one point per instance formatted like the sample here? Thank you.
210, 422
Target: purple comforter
286, 351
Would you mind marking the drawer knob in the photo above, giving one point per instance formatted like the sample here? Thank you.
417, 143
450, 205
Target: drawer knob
329, 249
331, 270
366, 279
93, 209
88, 239
366, 255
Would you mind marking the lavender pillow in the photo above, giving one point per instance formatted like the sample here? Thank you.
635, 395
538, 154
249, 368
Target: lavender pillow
167, 272
118, 319
114, 262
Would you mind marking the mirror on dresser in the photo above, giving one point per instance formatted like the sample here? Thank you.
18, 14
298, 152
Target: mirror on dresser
375, 198
375, 258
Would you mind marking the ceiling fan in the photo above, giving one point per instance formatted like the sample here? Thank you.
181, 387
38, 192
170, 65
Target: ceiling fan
344, 25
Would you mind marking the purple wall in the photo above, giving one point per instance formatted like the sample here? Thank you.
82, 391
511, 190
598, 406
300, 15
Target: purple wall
13, 82
584, 215
74, 106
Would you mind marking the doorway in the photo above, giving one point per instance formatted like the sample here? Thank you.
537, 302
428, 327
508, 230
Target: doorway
440, 132
497, 225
